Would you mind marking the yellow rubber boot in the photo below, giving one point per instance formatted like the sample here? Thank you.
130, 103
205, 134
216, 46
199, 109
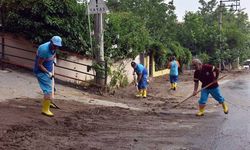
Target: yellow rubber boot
171, 86
46, 107
144, 94
139, 94
174, 86
201, 112
225, 108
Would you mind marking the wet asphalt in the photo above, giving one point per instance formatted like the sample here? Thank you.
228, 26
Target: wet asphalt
217, 131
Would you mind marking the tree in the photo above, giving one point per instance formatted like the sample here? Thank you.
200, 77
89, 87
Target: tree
183, 55
125, 37
159, 19
199, 36
200, 33
158, 16
40, 20
160, 54
207, 7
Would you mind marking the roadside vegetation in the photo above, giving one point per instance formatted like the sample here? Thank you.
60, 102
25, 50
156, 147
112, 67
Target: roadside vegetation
136, 26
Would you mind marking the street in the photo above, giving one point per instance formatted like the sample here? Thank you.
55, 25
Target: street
111, 122
232, 132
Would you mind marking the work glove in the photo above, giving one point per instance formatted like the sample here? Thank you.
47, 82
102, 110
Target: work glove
50, 74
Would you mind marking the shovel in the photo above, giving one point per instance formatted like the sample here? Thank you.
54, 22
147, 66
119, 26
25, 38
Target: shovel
135, 82
53, 85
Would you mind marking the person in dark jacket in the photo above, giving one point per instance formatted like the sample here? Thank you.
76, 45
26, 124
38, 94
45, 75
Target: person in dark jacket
207, 74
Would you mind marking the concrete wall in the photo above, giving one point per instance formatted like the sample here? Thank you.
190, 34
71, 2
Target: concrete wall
73, 66
128, 69
160, 72
15, 41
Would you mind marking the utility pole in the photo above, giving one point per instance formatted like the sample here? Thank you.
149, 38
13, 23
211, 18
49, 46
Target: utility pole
2, 35
99, 49
98, 8
234, 5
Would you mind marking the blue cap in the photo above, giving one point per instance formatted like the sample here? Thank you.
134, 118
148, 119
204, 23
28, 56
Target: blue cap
56, 40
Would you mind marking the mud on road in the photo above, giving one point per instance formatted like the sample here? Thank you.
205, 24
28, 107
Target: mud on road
79, 126
155, 125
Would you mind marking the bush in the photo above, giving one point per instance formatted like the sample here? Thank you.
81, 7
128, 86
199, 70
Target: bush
39, 20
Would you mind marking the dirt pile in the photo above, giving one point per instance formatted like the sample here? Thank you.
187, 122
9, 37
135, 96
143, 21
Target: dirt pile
78, 126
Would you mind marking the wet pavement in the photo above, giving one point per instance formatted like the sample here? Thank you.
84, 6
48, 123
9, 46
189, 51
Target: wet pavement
232, 131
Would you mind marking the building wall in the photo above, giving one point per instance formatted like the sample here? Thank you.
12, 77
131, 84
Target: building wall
127, 68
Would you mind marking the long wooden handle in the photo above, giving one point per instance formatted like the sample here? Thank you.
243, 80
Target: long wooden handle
135, 82
198, 91
53, 79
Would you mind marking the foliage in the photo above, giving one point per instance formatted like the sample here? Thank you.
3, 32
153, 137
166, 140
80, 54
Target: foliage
160, 22
236, 36
40, 20
200, 33
187, 56
100, 69
158, 16
160, 54
183, 55
198, 36
128, 33
136, 26
204, 57
118, 77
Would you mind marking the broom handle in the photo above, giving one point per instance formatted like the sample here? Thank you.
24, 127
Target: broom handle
53, 79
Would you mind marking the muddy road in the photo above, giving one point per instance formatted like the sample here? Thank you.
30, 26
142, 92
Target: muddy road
119, 121
78, 126
234, 131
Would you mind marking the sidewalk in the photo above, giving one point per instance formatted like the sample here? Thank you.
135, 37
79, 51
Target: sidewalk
23, 84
